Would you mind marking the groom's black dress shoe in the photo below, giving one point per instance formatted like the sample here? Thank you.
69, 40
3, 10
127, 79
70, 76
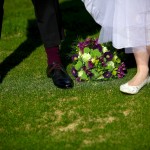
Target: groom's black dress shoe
59, 76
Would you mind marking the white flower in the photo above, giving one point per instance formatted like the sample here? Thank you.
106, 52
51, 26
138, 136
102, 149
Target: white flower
93, 60
80, 73
111, 63
104, 49
86, 57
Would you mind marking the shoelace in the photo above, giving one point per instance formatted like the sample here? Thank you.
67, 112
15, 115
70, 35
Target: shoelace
54, 66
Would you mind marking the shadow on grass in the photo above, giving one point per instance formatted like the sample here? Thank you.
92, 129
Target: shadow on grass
23, 50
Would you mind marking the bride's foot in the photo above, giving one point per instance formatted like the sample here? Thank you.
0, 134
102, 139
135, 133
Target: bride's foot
136, 83
126, 88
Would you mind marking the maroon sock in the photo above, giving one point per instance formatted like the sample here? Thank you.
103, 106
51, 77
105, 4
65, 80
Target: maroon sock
53, 55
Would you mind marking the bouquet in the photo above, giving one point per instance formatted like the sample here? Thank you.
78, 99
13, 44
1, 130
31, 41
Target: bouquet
94, 61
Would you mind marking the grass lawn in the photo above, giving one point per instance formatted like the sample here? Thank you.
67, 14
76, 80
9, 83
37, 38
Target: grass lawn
34, 114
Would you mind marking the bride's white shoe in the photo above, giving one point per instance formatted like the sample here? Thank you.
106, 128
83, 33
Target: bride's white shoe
126, 88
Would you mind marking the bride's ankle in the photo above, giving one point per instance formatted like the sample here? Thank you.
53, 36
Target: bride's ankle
138, 78
143, 70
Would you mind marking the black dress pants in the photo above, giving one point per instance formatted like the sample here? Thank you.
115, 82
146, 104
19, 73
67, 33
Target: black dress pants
49, 21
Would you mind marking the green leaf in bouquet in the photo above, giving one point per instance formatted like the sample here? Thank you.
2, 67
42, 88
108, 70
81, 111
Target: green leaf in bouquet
84, 76
96, 62
93, 78
100, 77
86, 50
114, 72
115, 58
95, 53
100, 70
105, 60
110, 65
78, 65
118, 61
110, 68
77, 49
95, 73
86, 64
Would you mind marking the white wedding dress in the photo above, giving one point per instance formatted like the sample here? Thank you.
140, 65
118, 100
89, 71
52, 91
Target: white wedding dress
124, 22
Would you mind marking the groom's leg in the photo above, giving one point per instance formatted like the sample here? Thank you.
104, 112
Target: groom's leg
49, 21
1, 14
50, 25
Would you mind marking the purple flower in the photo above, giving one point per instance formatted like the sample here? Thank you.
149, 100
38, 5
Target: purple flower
78, 79
90, 65
84, 44
81, 46
101, 59
104, 64
98, 46
108, 56
123, 66
88, 41
89, 73
120, 75
121, 70
74, 72
84, 68
107, 74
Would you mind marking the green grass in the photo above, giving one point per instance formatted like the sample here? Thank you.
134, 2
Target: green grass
34, 114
